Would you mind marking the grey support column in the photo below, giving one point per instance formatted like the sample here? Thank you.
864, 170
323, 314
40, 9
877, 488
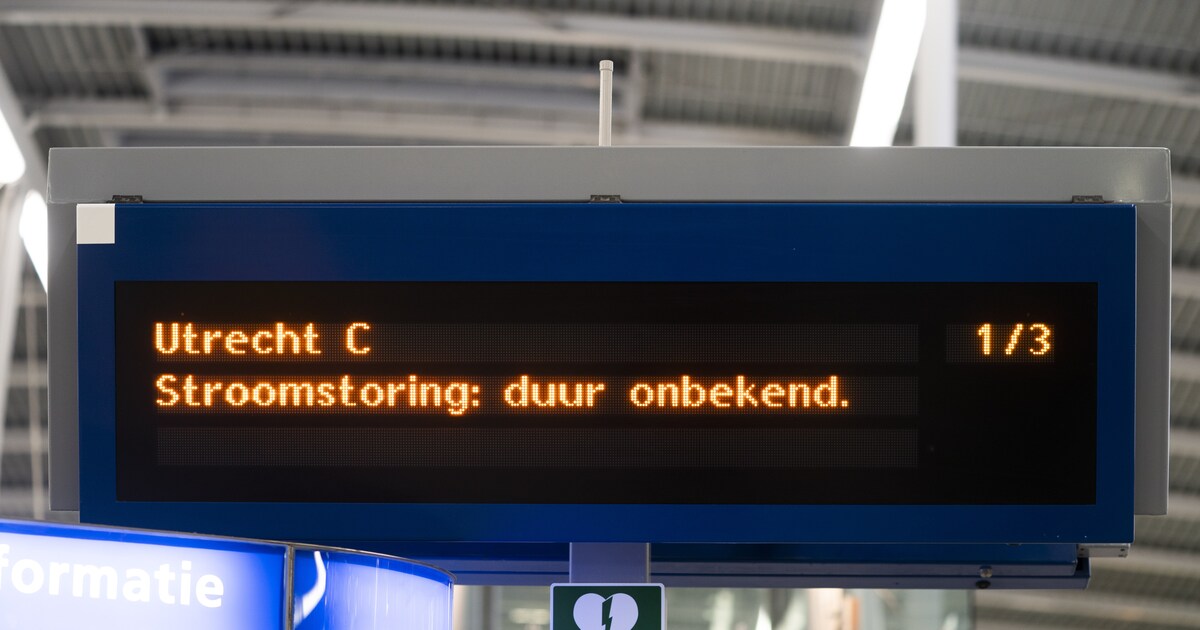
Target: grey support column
622, 563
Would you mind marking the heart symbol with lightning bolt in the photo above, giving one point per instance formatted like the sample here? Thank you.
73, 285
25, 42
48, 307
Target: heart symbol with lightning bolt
594, 612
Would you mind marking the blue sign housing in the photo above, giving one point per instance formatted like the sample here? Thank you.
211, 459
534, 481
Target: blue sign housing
1092, 246
57, 576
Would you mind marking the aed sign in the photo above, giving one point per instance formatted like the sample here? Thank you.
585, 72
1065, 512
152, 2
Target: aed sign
54, 576
608, 607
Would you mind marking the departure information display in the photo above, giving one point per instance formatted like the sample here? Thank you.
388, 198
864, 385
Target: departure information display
613, 392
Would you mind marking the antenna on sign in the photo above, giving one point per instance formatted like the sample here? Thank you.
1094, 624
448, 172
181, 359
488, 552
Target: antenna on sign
606, 70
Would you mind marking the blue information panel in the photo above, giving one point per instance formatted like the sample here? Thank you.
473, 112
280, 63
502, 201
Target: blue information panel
56, 576
337, 590
879, 373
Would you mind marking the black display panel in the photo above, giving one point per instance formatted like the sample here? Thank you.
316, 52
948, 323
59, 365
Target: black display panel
622, 392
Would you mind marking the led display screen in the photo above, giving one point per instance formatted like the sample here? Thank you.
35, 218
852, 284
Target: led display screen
606, 392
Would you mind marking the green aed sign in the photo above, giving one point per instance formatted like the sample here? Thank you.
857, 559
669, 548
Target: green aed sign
608, 607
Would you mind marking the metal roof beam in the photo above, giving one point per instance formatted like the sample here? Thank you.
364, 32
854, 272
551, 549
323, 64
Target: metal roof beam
1185, 190
990, 623
372, 69
12, 256
1077, 77
1099, 607
1185, 282
604, 31
1154, 560
585, 29
1185, 443
1185, 365
352, 93
1182, 507
18, 502
485, 127
544, 27
18, 441
27, 374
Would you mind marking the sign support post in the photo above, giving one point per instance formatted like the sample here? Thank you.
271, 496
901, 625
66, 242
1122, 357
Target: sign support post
616, 563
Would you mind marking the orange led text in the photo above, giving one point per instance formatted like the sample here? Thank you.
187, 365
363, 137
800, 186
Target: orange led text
738, 393
526, 392
191, 338
396, 394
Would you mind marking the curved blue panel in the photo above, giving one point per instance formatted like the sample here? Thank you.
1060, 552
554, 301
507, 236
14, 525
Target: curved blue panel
341, 590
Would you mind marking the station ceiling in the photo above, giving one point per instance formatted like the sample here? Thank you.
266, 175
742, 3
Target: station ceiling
688, 72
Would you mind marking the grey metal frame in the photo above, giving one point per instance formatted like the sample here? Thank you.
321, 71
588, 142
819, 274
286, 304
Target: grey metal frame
1140, 176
